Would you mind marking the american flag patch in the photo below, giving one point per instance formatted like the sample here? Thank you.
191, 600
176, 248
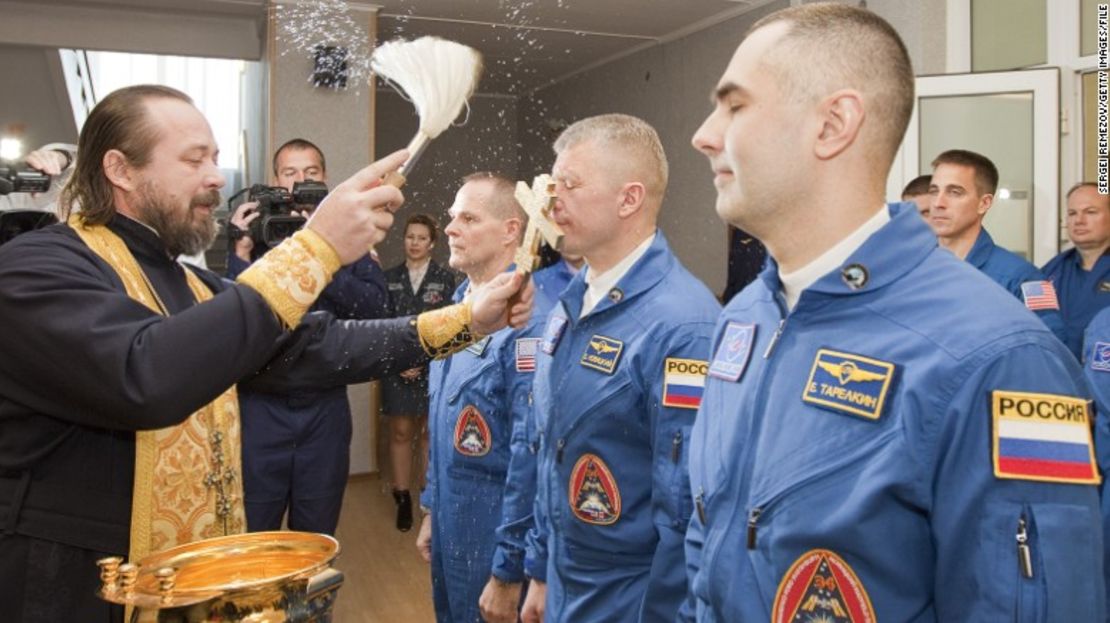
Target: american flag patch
526, 354
684, 382
1039, 295
1044, 437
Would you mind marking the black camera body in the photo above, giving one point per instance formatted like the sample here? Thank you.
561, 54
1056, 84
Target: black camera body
16, 222
22, 180
276, 220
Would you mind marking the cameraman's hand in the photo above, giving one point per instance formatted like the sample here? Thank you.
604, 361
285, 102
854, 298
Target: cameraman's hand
492, 307
244, 214
358, 213
47, 161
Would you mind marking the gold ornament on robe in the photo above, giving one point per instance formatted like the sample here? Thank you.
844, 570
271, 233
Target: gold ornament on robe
187, 477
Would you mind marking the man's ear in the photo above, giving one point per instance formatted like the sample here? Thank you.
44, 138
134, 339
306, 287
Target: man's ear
119, 171
513, 231
985, 203
631, 199
842, 115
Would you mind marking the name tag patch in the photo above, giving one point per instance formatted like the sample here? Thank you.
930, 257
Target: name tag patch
526, 348
1044, 437
820, 586
732, 353
602, 353
1100, 357
593, 494
849, 383
553, 332
683, 382
478, 348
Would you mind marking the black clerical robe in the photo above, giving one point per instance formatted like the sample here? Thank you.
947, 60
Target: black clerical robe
83, 366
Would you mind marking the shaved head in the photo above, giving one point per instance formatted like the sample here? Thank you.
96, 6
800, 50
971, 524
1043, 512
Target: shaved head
830, 46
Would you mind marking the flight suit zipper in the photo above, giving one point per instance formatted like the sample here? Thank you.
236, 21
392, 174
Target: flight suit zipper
765, 376
1024, 552
676, 447
760, 510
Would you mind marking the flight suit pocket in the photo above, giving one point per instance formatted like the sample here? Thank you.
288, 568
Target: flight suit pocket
1040, 572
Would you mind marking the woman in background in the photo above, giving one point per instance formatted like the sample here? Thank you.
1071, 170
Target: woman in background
416, 285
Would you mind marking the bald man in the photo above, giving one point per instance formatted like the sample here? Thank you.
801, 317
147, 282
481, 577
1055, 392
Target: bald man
1081, 275
865, 449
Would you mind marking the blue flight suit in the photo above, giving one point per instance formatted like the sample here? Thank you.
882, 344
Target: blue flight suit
1082, 293
296, 445
844, 461
1010, 271
1096, 366
479, 400
550, 283
612, 425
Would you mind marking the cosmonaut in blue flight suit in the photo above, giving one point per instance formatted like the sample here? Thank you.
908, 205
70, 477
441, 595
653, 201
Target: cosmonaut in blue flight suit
1082, 292
479, 400
615, 397
906, 444
1096, 366
1021, 278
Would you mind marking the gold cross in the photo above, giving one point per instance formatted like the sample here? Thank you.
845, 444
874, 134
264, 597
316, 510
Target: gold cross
537, 203
221, 475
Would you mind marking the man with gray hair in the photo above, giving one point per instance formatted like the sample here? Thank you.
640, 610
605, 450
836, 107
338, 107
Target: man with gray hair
619, 375
885, 434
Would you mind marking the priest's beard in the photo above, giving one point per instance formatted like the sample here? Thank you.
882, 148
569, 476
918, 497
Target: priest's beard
184, 232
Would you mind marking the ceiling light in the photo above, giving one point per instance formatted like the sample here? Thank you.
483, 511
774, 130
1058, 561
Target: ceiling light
10, 148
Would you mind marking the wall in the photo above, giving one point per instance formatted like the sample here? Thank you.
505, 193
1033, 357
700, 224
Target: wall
486, 141
341, 123
668, 86
39, 102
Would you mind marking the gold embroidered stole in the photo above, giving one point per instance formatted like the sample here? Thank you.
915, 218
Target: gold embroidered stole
187, 484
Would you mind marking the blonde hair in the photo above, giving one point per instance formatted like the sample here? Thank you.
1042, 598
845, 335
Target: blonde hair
638, 142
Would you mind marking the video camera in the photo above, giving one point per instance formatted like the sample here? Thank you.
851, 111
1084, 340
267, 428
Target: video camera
22, 180
16, 222
276, 220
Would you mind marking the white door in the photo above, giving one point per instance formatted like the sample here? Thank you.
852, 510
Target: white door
1010, 117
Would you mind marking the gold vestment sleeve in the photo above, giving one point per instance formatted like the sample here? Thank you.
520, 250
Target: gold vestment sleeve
291, 275
446, 330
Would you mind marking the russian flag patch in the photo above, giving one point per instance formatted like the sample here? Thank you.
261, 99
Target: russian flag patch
684, 382
1044, 437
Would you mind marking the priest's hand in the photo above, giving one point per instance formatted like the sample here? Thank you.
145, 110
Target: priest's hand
492, 305
358, 213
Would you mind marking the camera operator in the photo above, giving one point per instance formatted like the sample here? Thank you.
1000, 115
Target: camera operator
55, 160
296, 445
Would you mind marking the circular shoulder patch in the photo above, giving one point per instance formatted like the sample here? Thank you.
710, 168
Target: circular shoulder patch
820, 586
593, 494
472, 436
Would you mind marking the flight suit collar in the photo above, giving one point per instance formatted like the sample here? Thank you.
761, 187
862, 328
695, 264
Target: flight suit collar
460, 292
644, 274
981, 251
886, 256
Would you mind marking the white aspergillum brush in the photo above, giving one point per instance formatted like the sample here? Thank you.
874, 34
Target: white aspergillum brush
437, 76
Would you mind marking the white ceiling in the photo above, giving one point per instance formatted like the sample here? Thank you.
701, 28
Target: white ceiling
527, 44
